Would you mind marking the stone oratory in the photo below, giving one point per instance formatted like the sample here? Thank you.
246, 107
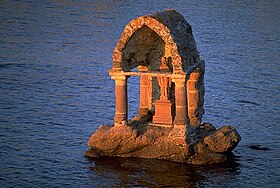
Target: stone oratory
161, 50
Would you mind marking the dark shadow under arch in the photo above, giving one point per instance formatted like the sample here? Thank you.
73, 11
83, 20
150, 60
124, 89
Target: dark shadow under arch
144, 48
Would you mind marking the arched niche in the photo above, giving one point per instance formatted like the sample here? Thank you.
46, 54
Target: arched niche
161, 50
143, 50
157, 30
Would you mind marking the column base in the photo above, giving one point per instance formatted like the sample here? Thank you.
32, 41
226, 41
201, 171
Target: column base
120, 119
124, 123
179, 135
161, 125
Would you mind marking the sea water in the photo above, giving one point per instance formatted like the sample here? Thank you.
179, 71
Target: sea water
55, 91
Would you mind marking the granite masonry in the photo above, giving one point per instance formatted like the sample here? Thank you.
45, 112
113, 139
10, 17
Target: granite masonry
161, 50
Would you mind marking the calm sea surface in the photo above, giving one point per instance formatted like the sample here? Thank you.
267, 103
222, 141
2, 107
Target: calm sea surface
55, 91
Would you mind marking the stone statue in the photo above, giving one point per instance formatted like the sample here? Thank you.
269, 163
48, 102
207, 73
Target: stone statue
163, 81
165, 85
164, 65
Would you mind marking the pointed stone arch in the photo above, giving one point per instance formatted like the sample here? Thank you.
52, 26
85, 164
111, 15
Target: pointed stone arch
170, 32
160, 29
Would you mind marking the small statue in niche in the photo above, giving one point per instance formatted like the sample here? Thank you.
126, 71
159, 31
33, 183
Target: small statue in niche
165, 85
164, 65
164, 81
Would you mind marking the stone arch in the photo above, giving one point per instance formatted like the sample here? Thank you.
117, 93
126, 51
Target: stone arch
170, 81
171, 49
144, 50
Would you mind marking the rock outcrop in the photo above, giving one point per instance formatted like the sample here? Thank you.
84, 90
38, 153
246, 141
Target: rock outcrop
137, 141
213, 145
223, 140
207, 146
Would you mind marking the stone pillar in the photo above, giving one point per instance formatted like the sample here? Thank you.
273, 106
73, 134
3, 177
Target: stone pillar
144, 98
179, 132
180, 100
121, 100
195, 98
150, 92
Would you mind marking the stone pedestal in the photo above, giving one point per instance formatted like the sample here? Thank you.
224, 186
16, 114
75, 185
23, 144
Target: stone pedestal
163, 112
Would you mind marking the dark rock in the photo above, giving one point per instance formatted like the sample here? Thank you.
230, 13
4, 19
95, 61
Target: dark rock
224, 139
258, 147
207, 158
207, 127
204, 130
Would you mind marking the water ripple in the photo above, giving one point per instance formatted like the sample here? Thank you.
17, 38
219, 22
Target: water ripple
55, 91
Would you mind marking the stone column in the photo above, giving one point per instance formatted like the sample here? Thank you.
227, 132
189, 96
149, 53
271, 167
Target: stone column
195, 100
144, 103
150, 92
179, 132
180, 100
121, 99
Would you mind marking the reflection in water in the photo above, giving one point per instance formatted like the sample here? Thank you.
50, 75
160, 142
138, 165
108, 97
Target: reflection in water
154, 172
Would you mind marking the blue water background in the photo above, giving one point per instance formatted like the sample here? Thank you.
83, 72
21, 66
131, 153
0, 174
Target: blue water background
55, 91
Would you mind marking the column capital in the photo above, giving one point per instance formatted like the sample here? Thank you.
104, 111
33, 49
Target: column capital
116, 73
119, 79
179, 79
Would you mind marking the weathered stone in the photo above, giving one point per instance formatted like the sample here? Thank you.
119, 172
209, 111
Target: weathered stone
193, 102
157, 142
178, 135
139, 141
145, 41
207, 158
204, 130
200, 147
224, 139
192, 112
194, 121
161, 46
195, 75
192, 85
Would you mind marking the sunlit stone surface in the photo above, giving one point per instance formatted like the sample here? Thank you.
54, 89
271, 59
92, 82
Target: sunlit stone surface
161, 50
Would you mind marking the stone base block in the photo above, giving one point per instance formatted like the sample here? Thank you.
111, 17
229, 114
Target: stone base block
163, 112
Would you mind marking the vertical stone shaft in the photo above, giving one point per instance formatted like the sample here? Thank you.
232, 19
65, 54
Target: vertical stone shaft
194, 98
121, 99
150, 91
144, 103
180, 101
